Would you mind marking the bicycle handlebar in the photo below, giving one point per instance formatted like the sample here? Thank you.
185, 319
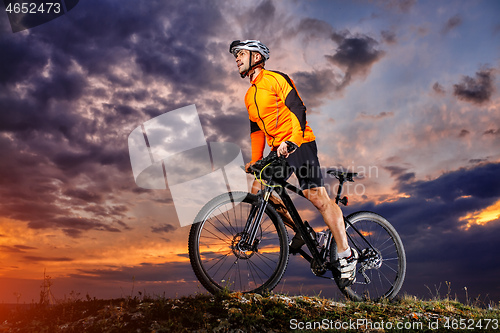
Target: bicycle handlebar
272, 158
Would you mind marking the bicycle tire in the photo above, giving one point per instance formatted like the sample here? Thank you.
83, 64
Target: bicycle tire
386, 279
215, 259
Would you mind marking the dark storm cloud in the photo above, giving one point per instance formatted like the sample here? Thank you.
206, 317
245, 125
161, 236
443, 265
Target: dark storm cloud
399, 173
37, 194
60, 86
476, 90
85, 195
131, 96
452, 23
232, 126
164, 228
315, 86
97, 47
58, 135
482, 182
355, 54
19, 62
433, 231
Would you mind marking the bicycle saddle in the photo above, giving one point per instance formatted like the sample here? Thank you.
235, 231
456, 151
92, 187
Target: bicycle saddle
341, 175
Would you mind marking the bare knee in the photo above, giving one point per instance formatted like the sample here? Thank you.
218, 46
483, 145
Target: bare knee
319, 198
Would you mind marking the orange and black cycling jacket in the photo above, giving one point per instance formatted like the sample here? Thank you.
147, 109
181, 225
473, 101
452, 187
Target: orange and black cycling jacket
276, 113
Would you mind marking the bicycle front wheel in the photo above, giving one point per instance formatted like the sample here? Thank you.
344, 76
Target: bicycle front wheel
215, 255
381, 267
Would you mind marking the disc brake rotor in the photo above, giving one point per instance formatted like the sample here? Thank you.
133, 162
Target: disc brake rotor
239, 252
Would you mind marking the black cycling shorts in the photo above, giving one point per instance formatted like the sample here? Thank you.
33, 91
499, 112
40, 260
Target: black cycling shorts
305, 164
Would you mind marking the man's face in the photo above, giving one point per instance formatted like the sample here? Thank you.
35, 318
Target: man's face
243, 60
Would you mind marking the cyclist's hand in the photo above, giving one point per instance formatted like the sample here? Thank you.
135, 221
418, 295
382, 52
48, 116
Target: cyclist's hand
247, 167
286, 148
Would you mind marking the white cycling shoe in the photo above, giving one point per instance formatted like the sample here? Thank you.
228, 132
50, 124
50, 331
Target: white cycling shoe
347, 269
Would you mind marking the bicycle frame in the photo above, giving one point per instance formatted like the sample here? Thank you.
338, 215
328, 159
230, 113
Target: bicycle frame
251, 247
248, 241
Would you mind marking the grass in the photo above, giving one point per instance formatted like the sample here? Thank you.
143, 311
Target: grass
247, 313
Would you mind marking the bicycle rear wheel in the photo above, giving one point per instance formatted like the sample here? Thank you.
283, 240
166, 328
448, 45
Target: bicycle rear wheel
381, 265
216, 258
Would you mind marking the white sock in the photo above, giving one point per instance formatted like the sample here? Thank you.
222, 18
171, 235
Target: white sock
345, 254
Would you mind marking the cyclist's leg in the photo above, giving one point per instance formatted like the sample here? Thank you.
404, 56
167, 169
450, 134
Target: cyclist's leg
332, 215
304, 162
382, 261
256, 186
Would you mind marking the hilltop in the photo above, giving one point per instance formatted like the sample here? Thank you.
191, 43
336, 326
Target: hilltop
248, 313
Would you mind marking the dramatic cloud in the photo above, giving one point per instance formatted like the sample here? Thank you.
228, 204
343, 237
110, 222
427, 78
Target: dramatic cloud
481, 182
430, 220
315, 86
67, 108
355, 54
400, 173
72, 90
476, 90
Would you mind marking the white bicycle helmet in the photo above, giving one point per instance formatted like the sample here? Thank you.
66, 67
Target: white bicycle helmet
250, 45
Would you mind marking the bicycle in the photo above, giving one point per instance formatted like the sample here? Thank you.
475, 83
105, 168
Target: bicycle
241, 243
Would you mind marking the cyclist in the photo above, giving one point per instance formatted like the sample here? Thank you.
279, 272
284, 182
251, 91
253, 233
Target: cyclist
278, 116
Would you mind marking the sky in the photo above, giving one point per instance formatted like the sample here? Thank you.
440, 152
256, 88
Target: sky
407, 93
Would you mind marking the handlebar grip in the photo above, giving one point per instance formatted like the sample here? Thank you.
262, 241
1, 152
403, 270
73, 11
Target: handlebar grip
272, 159
251, 169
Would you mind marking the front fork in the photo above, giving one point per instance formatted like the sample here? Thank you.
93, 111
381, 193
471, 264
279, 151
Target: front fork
248, 241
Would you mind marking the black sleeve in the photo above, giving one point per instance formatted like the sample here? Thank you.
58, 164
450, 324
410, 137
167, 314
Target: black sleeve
254, 127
